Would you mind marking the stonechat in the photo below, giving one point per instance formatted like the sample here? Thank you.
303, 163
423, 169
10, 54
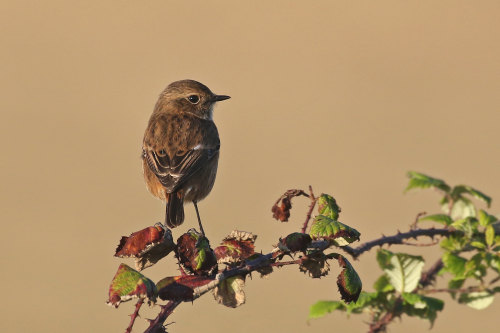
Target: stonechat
181, 146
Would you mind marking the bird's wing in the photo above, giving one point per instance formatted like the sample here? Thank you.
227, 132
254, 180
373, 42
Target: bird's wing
172, 172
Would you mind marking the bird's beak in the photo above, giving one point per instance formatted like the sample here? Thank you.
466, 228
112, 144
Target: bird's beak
218, 98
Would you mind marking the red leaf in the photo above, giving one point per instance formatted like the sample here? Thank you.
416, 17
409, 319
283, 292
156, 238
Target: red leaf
147, 245
194, 253
180, 288
236, 247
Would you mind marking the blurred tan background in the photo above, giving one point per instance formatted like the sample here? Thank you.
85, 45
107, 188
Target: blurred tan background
344, 96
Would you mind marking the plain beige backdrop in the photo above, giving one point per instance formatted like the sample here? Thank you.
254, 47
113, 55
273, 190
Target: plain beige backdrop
344, 95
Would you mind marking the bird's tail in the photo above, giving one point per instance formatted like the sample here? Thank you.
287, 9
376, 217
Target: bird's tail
174, 215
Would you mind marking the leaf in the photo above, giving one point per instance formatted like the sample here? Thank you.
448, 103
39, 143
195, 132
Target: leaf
348, 281
294, 242
180, 288
264, 270
147, 246
195, 254
462, 208
468, 225
455, 283
474, 266
460, 189
365, 300
236, 247
419, 180
328, 207
422, 306
325, 228
383, 284
485, 218
439, 218
489, 235
321, 308
454, 264
281, 209
404, 270
128, 284
478, 245
315, 265
230, 292
477, 300
453, 242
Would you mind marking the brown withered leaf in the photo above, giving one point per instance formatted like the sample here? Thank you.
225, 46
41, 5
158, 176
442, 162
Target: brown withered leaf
180, 288
236, 247
230, 292
281, 209
194, 253
264, 270
147, 246
315, 265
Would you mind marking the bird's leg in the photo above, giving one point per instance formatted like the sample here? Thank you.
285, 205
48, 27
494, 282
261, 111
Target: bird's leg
199, 220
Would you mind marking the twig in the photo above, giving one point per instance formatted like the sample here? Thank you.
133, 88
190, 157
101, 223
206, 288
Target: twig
311, 207
156, 325
381, 324
495, 280
247, 268
446, 290
429, 277
413, 226
134, 315
395, 239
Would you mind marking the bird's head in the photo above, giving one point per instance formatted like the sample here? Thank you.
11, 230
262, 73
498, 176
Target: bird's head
189, 96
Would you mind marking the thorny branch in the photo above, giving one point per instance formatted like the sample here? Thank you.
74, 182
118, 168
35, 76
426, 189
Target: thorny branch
245, 269
311, 207
398, 238
269, 260
134, 315
156, 325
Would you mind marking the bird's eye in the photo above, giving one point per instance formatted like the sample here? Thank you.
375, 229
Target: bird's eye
194, 99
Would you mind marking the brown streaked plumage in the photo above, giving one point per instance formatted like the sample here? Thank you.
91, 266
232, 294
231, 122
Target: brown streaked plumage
181, 147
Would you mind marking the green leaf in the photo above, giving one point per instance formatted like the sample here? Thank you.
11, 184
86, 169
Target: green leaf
454, 264
460, 189
453, 243
440, 218
489, 235
321, 308
474, 266
348, 281
404, 270
478, 245
456, 283
477, 300
461, 209
419, 180
468, 225
128, 284
485, 218
383, 284
422, 306
328, 207
324, 227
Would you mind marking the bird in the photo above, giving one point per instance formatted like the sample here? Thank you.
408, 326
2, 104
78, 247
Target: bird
180, 150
